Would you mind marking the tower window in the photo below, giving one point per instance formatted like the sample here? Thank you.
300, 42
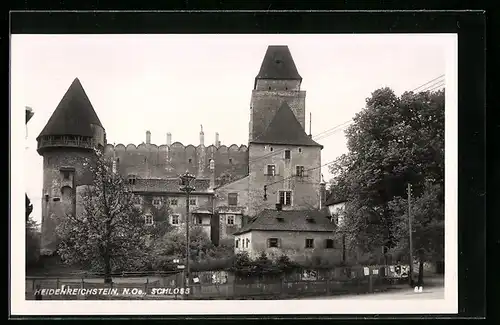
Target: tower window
300, 171
285, 197
230, 160
271, 170
232, 199
271, 148
190, 160
300, 149
287, 154
269, 87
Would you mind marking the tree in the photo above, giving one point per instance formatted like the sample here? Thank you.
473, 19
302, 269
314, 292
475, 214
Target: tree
172, 245
107, 233
392, 142
225, 177
32, 237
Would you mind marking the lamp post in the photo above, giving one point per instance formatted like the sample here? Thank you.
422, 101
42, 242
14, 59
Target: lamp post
187, 185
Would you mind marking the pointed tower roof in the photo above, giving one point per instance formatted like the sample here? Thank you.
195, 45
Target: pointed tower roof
73, 115
278, 64
285, 129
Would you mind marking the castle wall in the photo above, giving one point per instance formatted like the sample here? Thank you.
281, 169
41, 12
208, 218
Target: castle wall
265, 103
151, 161
61, 191
305, 190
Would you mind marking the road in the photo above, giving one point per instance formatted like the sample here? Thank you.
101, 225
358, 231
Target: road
403, 294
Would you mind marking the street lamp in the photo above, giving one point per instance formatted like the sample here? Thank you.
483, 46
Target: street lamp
187, 185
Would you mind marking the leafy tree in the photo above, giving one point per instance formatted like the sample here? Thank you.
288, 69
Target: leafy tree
225, 177
32, 243
394, 141
108, 232
172, 245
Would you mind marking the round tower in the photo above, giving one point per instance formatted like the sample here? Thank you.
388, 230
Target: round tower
67, 145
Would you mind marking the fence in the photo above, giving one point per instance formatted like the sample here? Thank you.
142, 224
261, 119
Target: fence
230, 287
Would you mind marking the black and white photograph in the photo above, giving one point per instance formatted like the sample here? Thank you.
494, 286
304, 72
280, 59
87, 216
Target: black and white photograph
162, 171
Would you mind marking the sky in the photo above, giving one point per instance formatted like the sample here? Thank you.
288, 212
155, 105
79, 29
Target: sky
175, 83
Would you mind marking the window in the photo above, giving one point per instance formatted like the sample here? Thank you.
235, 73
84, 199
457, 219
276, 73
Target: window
132, 179
137, 200
272, 242
271, 148
192, 201
230, 219
156, 202
190, 160
309, 243
236, 243
285, 197
148, 219
300, 171
300, 149
212, 164
287, 154
329, 243
232, 199
247, 242
173, 201
271, 170
230, 160
198, 220
66, 175
114, 166
175, 219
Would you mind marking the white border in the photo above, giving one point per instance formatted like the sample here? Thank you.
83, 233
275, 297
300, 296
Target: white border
19, 306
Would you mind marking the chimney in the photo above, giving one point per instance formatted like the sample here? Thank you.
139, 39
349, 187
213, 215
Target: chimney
169, 139
278, 207
148, 137
202, 137
322, 193
212, 173
217, 139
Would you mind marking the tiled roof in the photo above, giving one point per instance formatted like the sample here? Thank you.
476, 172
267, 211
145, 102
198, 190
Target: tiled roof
170, 185
278, 64
285, 129
73, 115
291, 220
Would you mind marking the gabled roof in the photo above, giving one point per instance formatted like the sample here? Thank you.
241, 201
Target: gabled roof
335, 199
291, 220
73, 115
285, 129
278, 64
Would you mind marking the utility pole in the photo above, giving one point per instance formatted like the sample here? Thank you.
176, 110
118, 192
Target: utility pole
410, 275
187, 185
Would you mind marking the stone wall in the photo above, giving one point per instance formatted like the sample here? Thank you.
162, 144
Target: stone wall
152, 161
265, 103
305, 190
59, 193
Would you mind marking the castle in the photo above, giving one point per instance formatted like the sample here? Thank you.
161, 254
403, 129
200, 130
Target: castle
280, 163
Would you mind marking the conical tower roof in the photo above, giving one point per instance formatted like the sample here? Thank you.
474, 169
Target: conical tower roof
285, 129
278, 64
73, 116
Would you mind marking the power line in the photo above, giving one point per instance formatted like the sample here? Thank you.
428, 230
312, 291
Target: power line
433, 85
428, 82
319, 136
289, 177
436, 87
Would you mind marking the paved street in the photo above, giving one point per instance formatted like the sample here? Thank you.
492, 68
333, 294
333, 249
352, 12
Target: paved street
403, 294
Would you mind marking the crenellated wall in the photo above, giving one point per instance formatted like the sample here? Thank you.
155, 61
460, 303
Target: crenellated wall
152, 161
